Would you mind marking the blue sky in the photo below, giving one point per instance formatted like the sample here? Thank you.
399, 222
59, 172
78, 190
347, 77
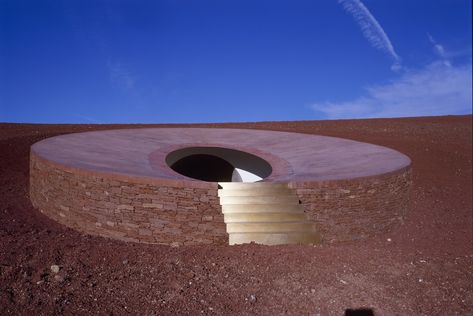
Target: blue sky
137, 61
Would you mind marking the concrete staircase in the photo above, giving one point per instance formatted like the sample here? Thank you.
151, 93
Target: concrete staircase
265, 213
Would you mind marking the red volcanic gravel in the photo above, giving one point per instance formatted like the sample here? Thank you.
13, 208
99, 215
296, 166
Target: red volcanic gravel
425, 267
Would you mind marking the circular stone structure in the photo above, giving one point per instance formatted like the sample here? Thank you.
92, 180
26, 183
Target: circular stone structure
121, 184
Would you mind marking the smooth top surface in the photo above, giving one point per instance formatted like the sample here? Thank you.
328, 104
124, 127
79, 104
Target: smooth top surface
293, 156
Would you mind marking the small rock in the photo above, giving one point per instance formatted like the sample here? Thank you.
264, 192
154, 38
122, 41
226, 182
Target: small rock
389, 239
55, 268
252, 298
40, 282
312, 291
125, 261
59, 278
175, 244
207, 218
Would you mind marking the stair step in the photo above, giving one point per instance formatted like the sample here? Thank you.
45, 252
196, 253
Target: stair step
270, 227
265, 213
262, 208
251, 185
264, 217
274, 238
256, 192
284, 199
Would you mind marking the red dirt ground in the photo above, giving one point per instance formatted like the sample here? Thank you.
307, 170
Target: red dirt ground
423, 267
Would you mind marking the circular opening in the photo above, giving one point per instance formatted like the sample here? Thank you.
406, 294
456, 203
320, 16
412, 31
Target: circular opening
216, 164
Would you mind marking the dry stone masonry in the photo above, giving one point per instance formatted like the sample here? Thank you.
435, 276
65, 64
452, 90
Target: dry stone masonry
168, 208
129, 211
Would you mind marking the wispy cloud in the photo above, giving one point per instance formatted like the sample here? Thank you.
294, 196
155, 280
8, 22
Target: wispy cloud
120, 76
371, 29
437, 89
439, 50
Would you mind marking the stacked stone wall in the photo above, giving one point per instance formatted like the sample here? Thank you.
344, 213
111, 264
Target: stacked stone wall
163, 213
188, 212
356, 209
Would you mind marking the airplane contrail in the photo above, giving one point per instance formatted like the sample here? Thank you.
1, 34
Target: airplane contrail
371, 28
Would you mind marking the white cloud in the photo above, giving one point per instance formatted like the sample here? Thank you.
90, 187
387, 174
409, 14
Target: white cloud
439, 50
437, 89
371, 29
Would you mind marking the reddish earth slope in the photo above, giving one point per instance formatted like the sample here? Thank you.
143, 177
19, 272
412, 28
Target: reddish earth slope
424, 267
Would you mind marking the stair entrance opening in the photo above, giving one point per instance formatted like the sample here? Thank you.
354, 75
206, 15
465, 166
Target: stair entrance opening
217, 164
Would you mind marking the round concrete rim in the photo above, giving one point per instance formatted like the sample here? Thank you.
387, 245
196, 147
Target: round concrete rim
291, 155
